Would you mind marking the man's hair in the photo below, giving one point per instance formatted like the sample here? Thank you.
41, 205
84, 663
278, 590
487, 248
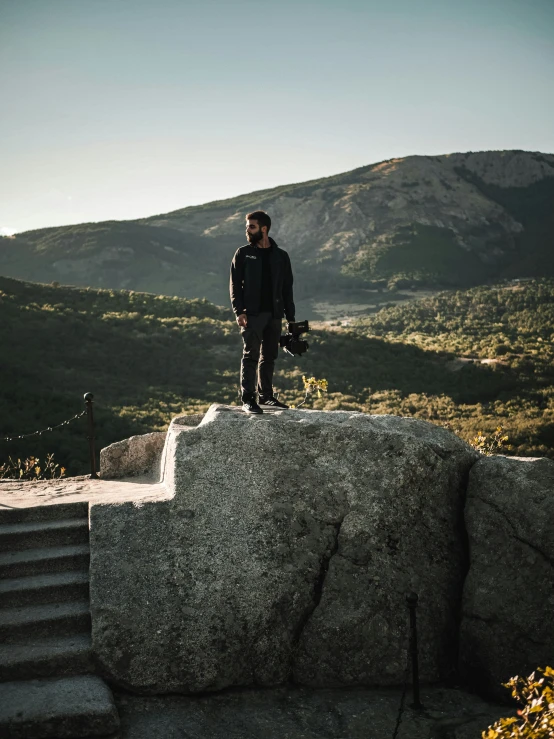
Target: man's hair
262, 218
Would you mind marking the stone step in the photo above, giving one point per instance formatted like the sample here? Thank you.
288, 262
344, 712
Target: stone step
79, 706
24, 623
44, 657
45, 559
34, 534
44, 512
50, 588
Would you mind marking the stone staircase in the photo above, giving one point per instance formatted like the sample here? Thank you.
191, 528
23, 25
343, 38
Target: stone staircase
47, 685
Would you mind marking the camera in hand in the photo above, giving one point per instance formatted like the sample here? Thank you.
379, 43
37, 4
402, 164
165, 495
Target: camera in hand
291, 341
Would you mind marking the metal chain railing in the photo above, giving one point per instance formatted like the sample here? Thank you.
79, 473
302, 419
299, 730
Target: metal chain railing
43, 431
88, 412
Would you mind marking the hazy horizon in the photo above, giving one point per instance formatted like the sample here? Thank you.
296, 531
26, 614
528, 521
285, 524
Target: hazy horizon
115, 112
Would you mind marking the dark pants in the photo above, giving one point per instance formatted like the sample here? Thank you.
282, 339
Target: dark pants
261, 347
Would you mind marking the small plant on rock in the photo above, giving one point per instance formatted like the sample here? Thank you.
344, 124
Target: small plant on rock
31, 469
536, 718
492, 443
311, 385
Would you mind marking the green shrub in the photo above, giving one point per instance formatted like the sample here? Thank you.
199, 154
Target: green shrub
489, 444
536, 718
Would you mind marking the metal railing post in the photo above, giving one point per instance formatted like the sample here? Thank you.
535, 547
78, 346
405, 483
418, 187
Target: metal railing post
88, 401
412, 599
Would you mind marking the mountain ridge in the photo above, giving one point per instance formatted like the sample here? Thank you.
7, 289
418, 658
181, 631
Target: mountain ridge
338, 176
451, 220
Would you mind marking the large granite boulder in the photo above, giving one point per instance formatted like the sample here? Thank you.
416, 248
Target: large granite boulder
287, 551
508, 598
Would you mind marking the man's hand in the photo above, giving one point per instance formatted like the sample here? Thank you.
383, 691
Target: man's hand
242, 320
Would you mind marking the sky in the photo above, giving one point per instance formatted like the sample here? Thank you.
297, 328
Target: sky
121, 109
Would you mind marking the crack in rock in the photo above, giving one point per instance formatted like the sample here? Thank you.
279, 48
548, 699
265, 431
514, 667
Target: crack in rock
512, 527
535, 549
496, 508
497, 621
317, 590
492, 620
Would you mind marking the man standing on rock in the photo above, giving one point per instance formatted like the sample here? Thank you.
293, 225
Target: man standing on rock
261, 293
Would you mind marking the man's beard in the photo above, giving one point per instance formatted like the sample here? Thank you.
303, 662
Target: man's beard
254, 238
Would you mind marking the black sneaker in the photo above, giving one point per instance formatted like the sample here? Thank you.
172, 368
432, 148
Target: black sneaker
250, 406
272, 402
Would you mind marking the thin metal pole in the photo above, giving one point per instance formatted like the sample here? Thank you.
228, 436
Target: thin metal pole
412, 599
88, 401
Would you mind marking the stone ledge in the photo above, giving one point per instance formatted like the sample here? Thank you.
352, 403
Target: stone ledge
301, 713
140, 455
68, 707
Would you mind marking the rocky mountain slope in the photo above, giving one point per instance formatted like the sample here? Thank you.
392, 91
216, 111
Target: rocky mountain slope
426, 221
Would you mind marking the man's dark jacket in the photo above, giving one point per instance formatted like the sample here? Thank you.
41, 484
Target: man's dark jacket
246, 281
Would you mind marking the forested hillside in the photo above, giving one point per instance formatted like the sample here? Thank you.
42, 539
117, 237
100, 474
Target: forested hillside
508, 328
471, 359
